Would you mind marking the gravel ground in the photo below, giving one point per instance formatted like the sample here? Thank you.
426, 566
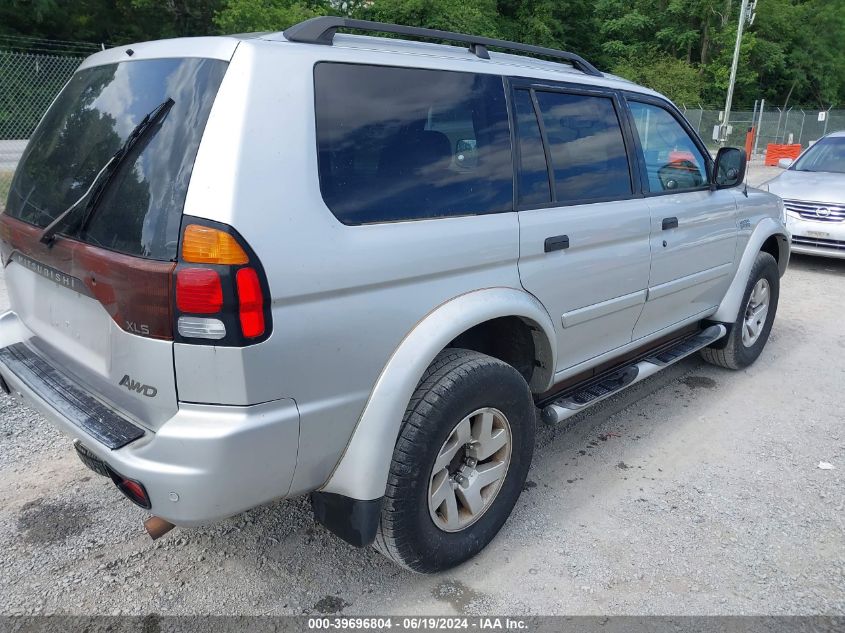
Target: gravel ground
695, 492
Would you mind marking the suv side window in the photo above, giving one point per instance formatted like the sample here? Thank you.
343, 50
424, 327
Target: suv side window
672, 160
407, 143
532, 172
586, 146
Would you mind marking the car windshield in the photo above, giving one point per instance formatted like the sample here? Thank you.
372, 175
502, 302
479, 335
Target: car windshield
826, 155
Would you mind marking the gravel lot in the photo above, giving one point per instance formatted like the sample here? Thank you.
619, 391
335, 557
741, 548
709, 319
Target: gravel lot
696, 492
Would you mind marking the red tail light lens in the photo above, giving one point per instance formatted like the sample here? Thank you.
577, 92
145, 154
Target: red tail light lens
133, 490
198, 291
250, 303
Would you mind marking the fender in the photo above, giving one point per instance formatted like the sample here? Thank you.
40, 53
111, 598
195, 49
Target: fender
362, 471
731, 302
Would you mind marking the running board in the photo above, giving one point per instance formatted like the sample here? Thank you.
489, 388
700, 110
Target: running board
581, 396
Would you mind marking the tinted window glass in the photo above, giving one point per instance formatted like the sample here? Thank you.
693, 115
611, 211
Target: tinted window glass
141, 210
401, 143
672, 159
586, 146
533, 183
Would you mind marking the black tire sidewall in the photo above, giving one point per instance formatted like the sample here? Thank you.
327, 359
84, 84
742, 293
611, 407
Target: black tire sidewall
766, 267
494, 385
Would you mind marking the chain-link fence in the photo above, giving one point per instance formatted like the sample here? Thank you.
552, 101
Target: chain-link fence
800, 126
31, 74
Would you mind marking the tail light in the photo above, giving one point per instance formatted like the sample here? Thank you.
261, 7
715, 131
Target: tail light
133, 490
199, 291
221, 291
250, 303
206, 245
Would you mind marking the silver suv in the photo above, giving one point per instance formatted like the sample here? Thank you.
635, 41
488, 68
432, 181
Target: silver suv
246, 268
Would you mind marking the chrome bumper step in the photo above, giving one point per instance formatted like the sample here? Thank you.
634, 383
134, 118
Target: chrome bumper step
68, 398
580, 396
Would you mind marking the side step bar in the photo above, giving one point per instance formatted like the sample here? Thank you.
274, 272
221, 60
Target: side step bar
581, 396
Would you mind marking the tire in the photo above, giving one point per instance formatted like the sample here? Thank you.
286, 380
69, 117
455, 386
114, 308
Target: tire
457, 384
734, 352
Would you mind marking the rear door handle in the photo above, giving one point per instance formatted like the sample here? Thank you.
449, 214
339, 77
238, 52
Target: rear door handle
670, 223
556, 243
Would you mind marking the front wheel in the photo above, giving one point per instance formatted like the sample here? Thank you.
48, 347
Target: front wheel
751, 329
459, 464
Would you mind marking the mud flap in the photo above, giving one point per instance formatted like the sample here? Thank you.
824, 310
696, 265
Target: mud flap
353, 520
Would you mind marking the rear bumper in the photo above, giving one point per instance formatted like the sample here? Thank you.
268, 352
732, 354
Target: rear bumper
206, 463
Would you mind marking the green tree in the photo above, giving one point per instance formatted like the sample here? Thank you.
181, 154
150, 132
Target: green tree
565, 25
178, 18
801, 58
241, 16
479, 17
677, 79
108, 21
792, 54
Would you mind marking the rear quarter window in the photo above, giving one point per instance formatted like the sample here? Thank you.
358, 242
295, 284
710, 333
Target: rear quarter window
404, 143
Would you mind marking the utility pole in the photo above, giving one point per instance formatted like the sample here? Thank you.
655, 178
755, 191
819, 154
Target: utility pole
746, 14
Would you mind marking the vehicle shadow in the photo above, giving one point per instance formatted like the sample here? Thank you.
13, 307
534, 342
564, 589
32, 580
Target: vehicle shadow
813, 264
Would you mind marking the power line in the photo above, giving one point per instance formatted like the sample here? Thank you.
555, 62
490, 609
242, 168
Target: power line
37, 45
47, 41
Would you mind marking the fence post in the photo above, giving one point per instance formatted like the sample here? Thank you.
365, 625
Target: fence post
759, 126
785, 125
827, 116
749, 135
801, 131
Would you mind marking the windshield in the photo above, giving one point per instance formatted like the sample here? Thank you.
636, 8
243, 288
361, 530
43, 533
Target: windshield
826, 155
140, 212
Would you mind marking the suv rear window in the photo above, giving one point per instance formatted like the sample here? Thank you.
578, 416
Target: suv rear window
405, 143
140, 212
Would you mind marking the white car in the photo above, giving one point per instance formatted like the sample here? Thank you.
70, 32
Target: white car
813, 192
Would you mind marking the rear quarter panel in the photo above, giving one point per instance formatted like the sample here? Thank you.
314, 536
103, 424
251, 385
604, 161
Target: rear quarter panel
343, 297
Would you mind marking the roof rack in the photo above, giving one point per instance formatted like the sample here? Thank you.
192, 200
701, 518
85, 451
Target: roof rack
321, 30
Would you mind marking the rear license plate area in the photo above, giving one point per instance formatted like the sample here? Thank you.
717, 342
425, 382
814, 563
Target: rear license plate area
91, 460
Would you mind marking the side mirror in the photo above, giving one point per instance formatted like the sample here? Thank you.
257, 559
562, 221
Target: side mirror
730, 168
785, 163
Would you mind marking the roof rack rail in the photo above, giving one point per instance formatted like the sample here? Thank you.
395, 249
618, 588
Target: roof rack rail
321, 30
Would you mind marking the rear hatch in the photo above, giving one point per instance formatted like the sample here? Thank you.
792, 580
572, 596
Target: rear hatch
99, 298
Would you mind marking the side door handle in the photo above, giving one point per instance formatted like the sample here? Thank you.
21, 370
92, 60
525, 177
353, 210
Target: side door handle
556, 243
670, 223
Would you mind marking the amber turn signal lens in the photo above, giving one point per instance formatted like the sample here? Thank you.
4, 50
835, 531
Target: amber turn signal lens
204, 245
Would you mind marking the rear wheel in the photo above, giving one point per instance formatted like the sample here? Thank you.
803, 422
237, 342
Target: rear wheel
459, 464
750, 331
